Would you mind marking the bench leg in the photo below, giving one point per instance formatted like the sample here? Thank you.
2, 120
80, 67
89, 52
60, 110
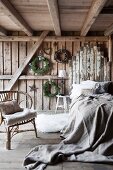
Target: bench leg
35, 128
8, 141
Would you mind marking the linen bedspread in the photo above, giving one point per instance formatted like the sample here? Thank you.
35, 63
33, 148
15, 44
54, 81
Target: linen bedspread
87, 138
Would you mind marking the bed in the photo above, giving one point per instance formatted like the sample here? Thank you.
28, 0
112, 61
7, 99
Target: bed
88, 137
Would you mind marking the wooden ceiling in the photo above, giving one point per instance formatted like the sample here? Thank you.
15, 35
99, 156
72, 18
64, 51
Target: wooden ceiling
56, 15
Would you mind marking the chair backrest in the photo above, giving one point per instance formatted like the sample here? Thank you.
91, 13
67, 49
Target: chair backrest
23, 98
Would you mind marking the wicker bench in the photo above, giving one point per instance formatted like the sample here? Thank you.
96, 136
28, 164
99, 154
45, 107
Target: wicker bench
13, 121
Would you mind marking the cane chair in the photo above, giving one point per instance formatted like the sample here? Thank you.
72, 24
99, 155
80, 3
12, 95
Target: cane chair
14, 120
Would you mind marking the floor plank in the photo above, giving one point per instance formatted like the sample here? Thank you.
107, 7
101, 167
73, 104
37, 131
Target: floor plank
22, 143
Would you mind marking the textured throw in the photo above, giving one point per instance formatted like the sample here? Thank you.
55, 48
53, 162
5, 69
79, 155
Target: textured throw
51, 122
87, 138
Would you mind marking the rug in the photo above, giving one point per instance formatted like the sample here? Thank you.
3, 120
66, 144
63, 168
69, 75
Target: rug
51, 122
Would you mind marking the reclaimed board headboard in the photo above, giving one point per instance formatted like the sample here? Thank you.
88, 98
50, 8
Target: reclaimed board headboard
90, 63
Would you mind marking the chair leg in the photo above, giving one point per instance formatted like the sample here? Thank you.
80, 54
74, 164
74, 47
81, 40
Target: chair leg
35, 128
8, 141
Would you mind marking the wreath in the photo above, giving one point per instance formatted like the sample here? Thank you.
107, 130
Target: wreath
47, 89
62, 56
35, 66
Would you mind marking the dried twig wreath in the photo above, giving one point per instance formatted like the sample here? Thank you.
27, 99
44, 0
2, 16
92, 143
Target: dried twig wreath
35, 66
62, 56
47, 88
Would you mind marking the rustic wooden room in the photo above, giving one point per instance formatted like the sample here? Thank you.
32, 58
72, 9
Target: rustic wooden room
56, 84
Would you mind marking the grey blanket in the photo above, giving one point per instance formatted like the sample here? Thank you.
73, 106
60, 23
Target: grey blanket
87, 138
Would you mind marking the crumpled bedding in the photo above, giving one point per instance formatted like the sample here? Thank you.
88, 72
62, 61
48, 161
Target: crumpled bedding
87, 138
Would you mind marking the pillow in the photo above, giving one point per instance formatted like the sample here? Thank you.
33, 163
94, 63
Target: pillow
10, 107
99, 87
79, 89
90, 84
110, 88
76, 91
89, 87
102, 87
87, 91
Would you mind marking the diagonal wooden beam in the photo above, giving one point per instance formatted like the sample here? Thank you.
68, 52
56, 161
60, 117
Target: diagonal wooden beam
3, 31
26, 60
94, 11
12, 13
109, 30
54, 13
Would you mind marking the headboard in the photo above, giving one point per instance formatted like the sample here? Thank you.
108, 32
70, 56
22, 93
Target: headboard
90, 63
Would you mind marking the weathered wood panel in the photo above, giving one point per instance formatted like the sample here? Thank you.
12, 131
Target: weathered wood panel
21, 58
7, 61
15, 61
1, 65
68, 47
89, 61
30, 82
46, 100
53, 72
76, 48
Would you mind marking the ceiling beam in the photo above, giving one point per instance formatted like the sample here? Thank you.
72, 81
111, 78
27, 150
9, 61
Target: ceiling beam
54, 13
9, 10
3, 31
109, 30
94, 11
53, 38
26, 60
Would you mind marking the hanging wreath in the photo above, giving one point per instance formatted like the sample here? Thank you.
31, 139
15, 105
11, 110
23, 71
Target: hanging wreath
35, 65
62, 56
48, 86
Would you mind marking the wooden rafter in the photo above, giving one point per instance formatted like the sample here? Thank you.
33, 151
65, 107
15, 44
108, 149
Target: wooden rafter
26, 60
11, 12
3, 31
53, 9
94, 11
109, 30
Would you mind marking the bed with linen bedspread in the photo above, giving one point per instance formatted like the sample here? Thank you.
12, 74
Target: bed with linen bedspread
88, 137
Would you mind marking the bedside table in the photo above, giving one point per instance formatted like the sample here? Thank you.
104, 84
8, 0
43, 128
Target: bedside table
63, 100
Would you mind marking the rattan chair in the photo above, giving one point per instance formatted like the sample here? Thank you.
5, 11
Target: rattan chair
25, 101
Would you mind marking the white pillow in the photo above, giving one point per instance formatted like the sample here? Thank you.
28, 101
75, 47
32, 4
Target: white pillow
78, 89
89, 83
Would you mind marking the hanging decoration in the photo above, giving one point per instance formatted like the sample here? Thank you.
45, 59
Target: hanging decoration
33, 88
47, 51
44, 68
48, 86
62, 56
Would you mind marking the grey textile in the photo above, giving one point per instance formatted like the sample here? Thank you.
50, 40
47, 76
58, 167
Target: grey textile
87, 138
102, 87
18, 117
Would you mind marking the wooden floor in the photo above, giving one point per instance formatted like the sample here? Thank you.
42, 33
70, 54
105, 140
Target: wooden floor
22, 143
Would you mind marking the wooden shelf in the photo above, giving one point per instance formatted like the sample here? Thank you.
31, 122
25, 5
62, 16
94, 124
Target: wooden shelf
30, 77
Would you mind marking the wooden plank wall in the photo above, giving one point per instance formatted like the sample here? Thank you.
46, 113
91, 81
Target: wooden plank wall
11, 56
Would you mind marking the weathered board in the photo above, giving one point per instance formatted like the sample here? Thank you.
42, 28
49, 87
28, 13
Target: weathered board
89, 61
